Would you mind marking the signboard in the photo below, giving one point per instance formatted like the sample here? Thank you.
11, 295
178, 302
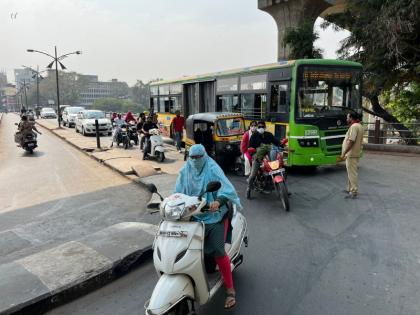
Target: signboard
50, 102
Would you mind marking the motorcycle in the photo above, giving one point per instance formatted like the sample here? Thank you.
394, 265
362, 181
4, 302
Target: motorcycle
272, 176
178, 254
155, 146
122, 136
132, 134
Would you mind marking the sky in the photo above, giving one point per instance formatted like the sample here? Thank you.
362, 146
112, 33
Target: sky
143, 39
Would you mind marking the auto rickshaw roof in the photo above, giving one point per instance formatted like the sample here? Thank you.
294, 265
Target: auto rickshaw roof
212, 116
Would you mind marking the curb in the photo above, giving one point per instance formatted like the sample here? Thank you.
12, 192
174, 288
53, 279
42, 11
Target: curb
392, 148
92, 156
118, 262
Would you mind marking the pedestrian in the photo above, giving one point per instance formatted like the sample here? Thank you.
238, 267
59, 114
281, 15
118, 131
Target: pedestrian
178, 125
352, 149
245, 145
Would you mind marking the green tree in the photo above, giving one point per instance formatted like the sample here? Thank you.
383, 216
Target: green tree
385, 36
301, 42
70, 83
111, 104
140, 94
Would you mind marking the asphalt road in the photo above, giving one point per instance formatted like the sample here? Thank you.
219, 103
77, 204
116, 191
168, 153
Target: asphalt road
57, 194
327, 256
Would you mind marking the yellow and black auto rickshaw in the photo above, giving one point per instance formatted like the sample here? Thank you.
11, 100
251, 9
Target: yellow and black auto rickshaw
220, 133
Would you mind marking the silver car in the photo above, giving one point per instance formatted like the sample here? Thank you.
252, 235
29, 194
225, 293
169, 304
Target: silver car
48, 112
70, 114
85, 122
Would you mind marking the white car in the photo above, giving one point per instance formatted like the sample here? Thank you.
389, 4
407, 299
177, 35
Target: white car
70, 114
48, 112
85, 122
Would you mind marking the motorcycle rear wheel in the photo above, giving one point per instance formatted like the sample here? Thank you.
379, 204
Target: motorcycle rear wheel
283, 195
126, 142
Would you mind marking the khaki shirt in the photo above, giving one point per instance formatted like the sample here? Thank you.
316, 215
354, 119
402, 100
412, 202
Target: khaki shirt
355, 134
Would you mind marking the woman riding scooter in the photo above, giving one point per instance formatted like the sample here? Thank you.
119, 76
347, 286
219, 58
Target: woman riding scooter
197, 172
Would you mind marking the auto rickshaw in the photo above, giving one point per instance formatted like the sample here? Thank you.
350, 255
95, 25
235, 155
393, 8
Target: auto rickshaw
220, 133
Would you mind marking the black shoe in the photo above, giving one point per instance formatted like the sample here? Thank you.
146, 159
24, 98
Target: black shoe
350, 196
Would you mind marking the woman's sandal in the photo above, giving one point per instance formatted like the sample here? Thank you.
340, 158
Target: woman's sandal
230, 297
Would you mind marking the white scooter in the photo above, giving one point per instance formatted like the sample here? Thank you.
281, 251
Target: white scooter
156, 148
178, 254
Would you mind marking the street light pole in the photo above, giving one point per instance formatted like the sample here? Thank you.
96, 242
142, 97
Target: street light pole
56, 60
37, 86
26, 96
58, 90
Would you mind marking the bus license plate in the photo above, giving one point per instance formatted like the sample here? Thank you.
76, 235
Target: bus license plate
173, 233
280, 170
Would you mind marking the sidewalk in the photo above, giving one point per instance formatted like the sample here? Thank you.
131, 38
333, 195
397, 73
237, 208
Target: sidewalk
127, 162
34, 282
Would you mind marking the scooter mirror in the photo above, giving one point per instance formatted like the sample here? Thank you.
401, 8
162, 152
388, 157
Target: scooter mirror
213, 186
152, 188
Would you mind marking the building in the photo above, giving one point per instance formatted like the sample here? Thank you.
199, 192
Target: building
3, 79
23, 75
99, 89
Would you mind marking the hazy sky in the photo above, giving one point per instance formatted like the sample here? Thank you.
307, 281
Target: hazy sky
142, 39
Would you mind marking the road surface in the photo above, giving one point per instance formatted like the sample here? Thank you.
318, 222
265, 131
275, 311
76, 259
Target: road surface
327, 256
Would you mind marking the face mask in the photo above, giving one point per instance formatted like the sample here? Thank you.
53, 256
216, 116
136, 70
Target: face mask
261, 130
253, 128
197, 163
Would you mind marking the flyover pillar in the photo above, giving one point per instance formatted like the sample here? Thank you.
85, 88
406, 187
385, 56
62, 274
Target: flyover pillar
290, 14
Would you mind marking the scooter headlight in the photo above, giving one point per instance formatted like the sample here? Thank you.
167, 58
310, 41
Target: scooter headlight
174, 213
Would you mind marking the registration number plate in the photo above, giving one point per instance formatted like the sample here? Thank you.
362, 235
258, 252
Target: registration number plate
173, 233
280, 170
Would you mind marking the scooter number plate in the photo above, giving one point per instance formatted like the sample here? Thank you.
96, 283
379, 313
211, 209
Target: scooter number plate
280, 170
173, 233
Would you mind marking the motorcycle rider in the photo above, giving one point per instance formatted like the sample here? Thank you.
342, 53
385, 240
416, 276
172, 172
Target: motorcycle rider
118, 124
197, 172
140, 123
149, 124
260, 142
245, 146
25, 127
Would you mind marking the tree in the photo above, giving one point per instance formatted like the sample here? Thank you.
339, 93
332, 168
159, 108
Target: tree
70, 83
111, 104
384, 38
140, 94
301, 42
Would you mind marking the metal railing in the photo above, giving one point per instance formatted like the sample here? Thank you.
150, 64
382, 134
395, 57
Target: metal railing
380, 132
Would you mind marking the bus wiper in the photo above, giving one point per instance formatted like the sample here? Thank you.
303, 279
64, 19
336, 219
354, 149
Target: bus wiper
349, 108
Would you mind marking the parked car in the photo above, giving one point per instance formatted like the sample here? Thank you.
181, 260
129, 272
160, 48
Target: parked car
85, 122
48, 112
70, 114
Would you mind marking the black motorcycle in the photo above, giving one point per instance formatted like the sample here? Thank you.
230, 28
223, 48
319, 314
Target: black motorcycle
29, 143
132, 134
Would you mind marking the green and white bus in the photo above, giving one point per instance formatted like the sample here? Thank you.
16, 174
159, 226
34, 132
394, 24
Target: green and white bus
305, 101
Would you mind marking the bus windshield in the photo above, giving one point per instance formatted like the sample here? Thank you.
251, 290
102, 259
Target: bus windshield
230, 127
328, 92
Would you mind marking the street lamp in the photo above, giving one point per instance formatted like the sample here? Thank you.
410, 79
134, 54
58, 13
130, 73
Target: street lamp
24, 86
57, 61
36, 73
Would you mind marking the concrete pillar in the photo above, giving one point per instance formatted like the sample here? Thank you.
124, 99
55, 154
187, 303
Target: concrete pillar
290, 13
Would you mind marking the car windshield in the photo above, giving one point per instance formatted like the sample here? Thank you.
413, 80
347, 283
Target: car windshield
49, 110
94, 115
326, 93
74, 110
230, 127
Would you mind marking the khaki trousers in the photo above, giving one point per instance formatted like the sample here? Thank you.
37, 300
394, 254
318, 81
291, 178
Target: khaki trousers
351, 166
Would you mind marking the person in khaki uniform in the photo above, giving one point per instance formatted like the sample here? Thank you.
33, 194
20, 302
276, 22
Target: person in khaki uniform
352, 149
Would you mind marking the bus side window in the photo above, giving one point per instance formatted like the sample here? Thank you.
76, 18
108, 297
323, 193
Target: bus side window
279, 98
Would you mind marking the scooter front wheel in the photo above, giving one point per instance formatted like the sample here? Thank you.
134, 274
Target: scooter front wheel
182, 308
161, 157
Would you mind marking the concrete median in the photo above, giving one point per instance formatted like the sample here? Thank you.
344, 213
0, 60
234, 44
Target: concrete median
39, 282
